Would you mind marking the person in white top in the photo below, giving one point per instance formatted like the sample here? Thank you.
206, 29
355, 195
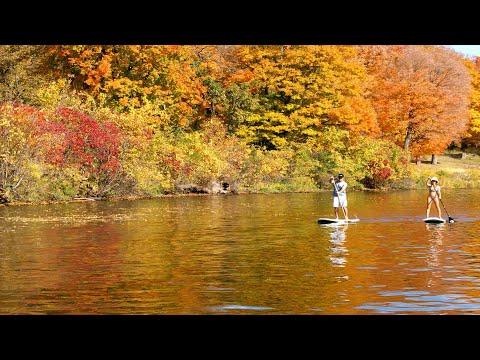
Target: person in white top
339, 195
434, 195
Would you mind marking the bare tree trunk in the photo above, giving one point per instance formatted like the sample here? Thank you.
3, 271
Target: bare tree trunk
434, 159
408, 139
408, 136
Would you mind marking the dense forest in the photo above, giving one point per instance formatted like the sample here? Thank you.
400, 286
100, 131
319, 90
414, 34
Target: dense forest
145, 120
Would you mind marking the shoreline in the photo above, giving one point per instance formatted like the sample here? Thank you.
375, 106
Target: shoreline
150, 197
454, 172
81, 200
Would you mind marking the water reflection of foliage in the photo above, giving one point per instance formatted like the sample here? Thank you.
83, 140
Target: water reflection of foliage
73, 276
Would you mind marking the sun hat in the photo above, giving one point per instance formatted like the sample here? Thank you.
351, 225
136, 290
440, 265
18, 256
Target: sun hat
340, 176
434, 179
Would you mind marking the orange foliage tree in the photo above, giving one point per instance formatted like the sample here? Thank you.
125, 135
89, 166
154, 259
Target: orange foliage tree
472, 137
132, 76
420, 94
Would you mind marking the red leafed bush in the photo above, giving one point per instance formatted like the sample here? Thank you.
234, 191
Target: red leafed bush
78, 139
176, 168
378, 173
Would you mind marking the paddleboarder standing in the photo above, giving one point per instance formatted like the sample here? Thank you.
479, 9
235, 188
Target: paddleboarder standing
339, 195
434, 195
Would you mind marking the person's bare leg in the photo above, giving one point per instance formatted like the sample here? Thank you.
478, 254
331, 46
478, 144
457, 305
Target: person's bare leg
429, 203
345, 213
438, 208
335, 211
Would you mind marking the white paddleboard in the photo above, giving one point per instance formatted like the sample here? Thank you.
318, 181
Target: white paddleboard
434, 220
336, 221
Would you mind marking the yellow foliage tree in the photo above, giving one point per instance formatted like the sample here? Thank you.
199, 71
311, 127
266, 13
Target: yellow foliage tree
301, 90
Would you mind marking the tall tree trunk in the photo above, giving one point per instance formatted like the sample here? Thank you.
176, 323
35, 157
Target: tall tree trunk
408, 136
408, 139
434, 159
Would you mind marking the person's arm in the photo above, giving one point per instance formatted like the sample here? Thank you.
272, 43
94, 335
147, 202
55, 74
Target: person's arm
429, 183
439, 192
343, 188
335, 190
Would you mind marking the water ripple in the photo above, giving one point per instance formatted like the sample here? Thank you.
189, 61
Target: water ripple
239, 307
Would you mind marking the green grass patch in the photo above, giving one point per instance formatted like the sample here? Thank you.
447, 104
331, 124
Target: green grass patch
452, 171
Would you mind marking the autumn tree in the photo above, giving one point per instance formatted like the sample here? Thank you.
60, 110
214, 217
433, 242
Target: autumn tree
420, 94
302, 90
162, 77
20, 72
20, 147
472, 137
227, 82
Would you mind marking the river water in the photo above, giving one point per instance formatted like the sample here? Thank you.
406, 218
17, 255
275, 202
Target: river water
242, 254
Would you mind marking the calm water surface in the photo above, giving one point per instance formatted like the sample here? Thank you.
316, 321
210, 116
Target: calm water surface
241, 254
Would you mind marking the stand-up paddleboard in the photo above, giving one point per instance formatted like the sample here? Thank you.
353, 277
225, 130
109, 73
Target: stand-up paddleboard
434, 220
336, 221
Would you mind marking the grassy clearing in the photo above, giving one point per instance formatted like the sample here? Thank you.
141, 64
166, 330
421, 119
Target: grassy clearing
451, 170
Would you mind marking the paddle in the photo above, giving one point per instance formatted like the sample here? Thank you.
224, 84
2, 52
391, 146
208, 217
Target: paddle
450, 219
